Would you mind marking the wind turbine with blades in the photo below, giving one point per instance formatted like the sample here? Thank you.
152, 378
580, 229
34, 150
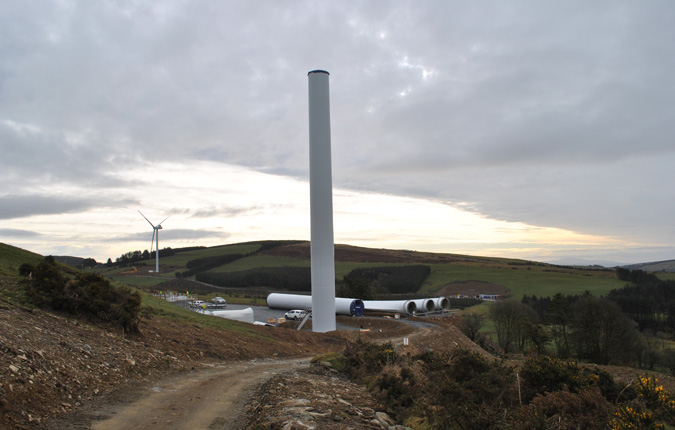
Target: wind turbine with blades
155, 238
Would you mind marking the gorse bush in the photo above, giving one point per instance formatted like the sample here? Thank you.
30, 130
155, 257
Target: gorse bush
465, 390
88, 295
545, 374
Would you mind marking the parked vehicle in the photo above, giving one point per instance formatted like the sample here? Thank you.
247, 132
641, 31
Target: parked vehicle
295, 314
198, 303
218, 301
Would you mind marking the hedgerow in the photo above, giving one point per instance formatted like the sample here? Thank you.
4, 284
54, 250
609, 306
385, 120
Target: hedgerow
286, 278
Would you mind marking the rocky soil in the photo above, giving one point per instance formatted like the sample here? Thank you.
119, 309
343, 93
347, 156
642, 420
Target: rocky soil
58, 369
319, 398
53, 364
315, 398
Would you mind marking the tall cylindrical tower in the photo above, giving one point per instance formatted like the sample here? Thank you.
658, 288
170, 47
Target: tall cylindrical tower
321, 203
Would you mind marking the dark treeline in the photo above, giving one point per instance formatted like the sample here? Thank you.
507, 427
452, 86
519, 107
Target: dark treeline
599, 329
392, 279
581, 326
134, 256
284, 278
648, 300
200, 265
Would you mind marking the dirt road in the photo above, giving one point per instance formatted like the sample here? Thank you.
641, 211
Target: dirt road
210, 398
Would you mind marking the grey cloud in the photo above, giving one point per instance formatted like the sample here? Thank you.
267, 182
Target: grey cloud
556, 114
13, 232
18, 206
171, 234
225, 211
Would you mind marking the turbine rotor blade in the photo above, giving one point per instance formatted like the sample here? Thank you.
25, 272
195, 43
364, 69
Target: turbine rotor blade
152, 241
146, 218
164, 220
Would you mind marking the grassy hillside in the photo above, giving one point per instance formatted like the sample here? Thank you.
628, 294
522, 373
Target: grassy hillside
12, 257
656, 266
449, 272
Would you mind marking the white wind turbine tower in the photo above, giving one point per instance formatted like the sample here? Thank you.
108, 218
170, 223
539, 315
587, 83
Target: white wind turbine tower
155, 238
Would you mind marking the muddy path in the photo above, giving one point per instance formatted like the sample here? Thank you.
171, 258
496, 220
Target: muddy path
211, 398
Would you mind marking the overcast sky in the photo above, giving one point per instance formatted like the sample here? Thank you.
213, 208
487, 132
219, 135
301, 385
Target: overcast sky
527, 129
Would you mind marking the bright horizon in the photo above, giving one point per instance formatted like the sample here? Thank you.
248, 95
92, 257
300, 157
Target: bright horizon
272, 207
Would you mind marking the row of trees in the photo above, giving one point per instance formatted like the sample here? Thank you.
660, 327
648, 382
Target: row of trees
134, 256
604, 330
366, 283
285, 278
586, 327
648, 300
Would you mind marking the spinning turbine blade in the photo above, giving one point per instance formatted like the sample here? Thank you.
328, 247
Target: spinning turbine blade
146, 219
152, 241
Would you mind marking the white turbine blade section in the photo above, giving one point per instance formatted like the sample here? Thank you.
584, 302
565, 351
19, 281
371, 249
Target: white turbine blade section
425, 305
343, 306
406, 307
163, 221
152, 241
244, 315
321, 204
146, 218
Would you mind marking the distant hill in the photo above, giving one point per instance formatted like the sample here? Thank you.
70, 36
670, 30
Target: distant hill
460, 274
656, 266
77, 262
449, 272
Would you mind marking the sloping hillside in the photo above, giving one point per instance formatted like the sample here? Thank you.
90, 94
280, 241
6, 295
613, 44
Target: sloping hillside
656, 266
449, 272
52, 363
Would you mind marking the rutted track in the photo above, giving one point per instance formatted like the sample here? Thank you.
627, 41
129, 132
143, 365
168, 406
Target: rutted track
211, 398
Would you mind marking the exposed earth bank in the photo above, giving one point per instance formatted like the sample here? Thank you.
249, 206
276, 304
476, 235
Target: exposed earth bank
61, 372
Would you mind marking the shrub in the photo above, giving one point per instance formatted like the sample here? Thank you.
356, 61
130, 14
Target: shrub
88, 295
545, 374
586, 409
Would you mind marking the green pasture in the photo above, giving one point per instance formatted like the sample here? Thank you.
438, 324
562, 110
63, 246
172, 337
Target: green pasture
182, 258
665, 275
141, 282
518, 276
521, 281
256, 261
11, 258
342, 268
161, 308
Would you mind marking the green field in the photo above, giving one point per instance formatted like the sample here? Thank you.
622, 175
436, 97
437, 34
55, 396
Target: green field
11, 258
525, 280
